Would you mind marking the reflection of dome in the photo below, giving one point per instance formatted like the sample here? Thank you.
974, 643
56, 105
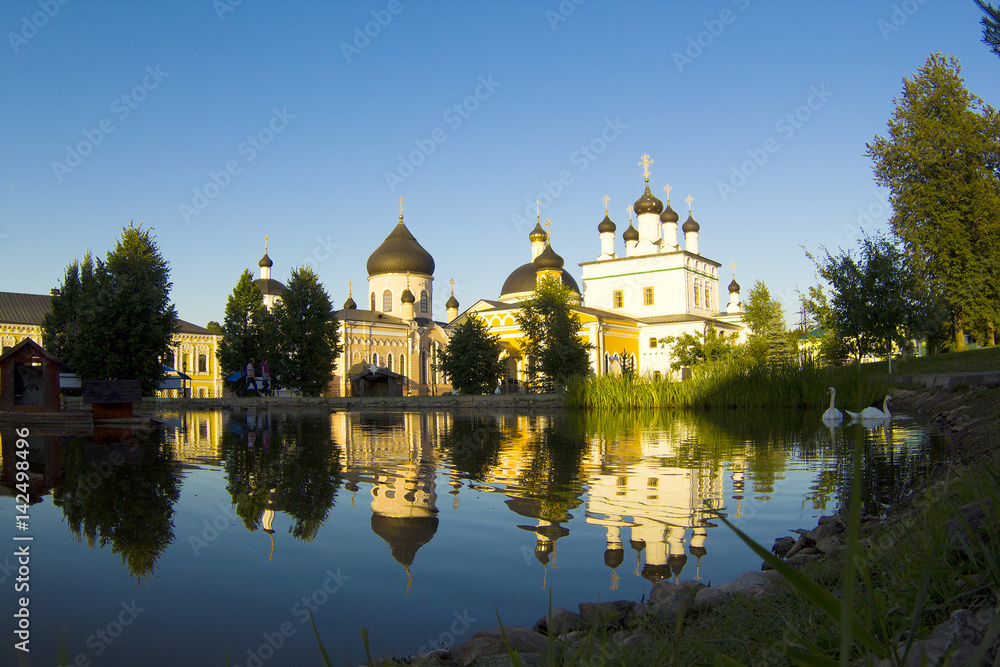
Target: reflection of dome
648, 203
614, 557
653, 573
698, 552
404, 534
676, 563
606, 225
524, 279
400, 253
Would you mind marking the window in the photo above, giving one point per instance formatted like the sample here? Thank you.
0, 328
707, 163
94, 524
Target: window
657, 375
423, 301
653, 344
708, 297
616, 298
375, 359
387, 301
202, 363
402, 364
388, 361
423, 366
373, 301
647, 296
697, 289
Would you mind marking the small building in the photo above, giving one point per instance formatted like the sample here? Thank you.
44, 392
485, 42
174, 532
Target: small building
372, 381
29, 378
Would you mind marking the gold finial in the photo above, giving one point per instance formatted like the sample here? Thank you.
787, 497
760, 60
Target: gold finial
452, 281
689, 200
667, 188
349, 289
265, 245
407, 279
401, 207
606, 199
645, 162
630, 214
733, 266
548, 229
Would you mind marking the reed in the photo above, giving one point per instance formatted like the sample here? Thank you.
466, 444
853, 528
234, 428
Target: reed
735, 383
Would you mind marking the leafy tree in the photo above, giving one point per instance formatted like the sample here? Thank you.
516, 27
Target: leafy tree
472, 358
247, 328
764, 316
873, 304
940, 163
308, 338
991, 26
113, 320
690, 349
831, 350
214, 326
551, 341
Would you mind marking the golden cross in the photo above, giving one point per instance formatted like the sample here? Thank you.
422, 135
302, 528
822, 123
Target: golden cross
349, 283
733, 265
538, 215
689, 200
452, 281
548, 228
667, 189
645, 162
265, 245
401, 206
629, 209
606, 199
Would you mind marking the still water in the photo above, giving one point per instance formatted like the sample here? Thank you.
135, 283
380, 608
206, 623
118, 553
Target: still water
223, 531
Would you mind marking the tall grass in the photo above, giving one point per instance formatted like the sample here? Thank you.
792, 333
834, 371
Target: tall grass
733, 383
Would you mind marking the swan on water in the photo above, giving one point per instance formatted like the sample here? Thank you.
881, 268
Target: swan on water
832, 414
874, 413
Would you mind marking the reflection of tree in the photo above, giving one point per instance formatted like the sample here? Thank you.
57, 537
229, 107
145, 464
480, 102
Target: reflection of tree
474, 445
291, 463
123, 495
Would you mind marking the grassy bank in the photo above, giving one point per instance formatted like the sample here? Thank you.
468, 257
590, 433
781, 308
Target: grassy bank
733, 384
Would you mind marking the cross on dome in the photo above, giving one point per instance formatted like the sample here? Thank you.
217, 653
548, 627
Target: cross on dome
606, 199
667, 188
400, 207
548, 228
645, 162
689, 200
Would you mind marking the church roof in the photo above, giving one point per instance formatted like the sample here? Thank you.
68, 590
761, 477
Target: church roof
524, 279
269, 286
606, 225
400, 253
349, 304
647, 203
452, 302
690, 225
631, 234
350, 315
734, 286
669, 214
548, 259
265, 261
538, 234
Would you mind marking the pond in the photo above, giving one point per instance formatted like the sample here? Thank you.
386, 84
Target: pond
223, 533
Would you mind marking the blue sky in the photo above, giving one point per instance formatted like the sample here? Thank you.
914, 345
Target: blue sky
219, 123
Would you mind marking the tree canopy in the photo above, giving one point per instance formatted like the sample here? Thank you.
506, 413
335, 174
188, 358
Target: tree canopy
551, 343
112, 319
247, 328
991, 26
308, 336
691, 349
764, 316
472, 358
940, 163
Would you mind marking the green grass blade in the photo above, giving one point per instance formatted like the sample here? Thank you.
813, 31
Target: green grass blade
326, 658
515, 658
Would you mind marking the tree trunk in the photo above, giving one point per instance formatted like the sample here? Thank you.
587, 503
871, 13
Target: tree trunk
959, 334
991, 331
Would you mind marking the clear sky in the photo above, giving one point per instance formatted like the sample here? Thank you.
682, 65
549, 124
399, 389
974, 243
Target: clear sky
219, 123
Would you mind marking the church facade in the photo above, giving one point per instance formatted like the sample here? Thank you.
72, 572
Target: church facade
629, 302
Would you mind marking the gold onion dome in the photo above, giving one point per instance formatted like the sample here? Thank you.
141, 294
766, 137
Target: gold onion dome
669, 214
548, 259
407, 296
400, 253
606, 225
452, 302
538, 234
631, 234
648, 203
690, 225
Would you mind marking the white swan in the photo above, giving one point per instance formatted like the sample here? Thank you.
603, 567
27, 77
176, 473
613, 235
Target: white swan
832, 414
873, 414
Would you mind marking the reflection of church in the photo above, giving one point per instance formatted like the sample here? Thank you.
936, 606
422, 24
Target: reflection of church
657, 288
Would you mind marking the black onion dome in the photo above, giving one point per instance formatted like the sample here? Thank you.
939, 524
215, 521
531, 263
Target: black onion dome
669, 214
647, 203
653, 573
631, 234
690, 225
400, 253
524, 279
538, 234
548, 259
606, 225
407, 296
350, 305
452, 302
265, 261
734, 286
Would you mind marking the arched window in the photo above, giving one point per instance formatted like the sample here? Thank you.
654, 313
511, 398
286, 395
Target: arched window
697, 289
373, 301
708, 296
388, 361
387, 301
375, 359
202, 363
423, 301
402, 364
423, 366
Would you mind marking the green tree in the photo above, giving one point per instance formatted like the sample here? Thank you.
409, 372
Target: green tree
247, 328
113, 320
940, 163
991, 26
308, 337
551, 343
472, 358
691, 349
768, 341
831, 350
873, 303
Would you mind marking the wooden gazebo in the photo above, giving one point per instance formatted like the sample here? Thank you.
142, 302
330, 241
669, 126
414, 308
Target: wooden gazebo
29, 379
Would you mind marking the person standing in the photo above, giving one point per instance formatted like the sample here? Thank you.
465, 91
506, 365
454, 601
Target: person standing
250, 377
267, 377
